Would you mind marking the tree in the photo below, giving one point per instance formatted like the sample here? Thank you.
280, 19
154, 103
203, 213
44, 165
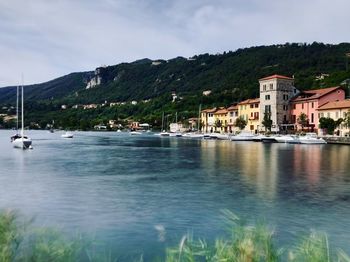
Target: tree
267, 122
217, 123
330, 124
346, 120
303, 120
240, 123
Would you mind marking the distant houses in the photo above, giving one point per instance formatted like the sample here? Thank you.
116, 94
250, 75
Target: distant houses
284, 105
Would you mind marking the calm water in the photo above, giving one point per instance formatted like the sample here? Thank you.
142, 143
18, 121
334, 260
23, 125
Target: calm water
140, 194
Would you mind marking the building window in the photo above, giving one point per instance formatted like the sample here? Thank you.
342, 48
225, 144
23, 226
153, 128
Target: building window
251, 127
312, 117
336, 115
328, 115
267, 97
294, 117
312, 105
285, 119
271, 86
285, 108
302, 105
264, 87
267, 108
251, 106
295, 90
285, 97
294, 106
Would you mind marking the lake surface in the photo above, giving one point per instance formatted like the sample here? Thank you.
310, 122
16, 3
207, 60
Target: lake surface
140, 194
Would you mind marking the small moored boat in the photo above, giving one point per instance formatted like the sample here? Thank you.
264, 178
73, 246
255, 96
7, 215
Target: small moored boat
243, 136
67, 135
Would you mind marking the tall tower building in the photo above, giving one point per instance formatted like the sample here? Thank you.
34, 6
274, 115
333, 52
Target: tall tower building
275, 93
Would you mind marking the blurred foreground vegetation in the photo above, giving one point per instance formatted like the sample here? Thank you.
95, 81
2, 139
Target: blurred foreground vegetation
247, 243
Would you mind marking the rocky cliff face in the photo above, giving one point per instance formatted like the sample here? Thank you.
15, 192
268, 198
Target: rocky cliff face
98, 78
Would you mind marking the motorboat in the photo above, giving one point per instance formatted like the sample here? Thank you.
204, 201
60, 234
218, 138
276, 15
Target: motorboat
258, 138
222, 136
269, 139
67, 135
287, 139
193, 135
209, 136
164, 133
311, 138
177, 134
135, 133
243, 136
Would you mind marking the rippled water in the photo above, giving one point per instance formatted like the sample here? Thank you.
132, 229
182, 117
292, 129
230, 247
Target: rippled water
140, 194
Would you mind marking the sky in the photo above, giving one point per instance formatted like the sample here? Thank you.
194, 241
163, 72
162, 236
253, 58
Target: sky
45, 39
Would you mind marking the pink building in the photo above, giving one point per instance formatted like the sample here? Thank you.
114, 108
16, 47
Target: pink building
308, 102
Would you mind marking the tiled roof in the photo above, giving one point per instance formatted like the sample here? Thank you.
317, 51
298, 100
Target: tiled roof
336, 105
221, 111
232, 108
276, 76
209, 110
250, 101
314, 94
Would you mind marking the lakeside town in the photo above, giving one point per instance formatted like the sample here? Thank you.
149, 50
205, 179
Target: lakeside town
282, 108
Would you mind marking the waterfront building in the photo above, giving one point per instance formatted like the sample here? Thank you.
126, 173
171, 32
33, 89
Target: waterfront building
208, 120
249, 110
308, 102
276, 91
336, 110
232, 114
221, 121
193, 123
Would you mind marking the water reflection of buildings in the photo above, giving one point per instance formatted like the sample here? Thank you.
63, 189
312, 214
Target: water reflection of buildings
306, 161
315, 161
255, 164
265, 167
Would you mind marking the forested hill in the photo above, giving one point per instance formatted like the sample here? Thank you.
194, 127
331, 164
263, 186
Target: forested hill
234, 73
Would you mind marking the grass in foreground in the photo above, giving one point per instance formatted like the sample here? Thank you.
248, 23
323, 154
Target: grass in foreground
245, 244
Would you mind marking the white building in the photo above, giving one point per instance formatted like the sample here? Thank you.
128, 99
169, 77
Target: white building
276, 91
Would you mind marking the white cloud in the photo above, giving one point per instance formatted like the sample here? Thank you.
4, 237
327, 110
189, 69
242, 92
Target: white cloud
46, 39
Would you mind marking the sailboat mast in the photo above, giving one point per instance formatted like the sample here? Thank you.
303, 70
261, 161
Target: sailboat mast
162, 122
22, 131
199, 116
17, 109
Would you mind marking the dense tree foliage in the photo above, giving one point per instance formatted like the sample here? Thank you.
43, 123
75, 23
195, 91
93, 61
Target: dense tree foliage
240, 123
329, 124
231, 77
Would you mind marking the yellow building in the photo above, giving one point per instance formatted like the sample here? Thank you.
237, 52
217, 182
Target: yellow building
336, 110
249, 111
221, 120
208, 120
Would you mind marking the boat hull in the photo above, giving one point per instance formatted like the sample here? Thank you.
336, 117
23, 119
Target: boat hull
24, 143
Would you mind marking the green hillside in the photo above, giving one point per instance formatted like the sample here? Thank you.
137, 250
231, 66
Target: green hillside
231, 76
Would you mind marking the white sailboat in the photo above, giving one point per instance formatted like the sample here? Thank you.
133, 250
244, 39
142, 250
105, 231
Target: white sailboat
164, 132
177, 132
20, 140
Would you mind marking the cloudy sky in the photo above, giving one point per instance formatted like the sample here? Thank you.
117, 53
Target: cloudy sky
44, 39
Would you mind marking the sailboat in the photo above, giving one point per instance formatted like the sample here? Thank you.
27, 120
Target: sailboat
164, 132
20, 140
177, 132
